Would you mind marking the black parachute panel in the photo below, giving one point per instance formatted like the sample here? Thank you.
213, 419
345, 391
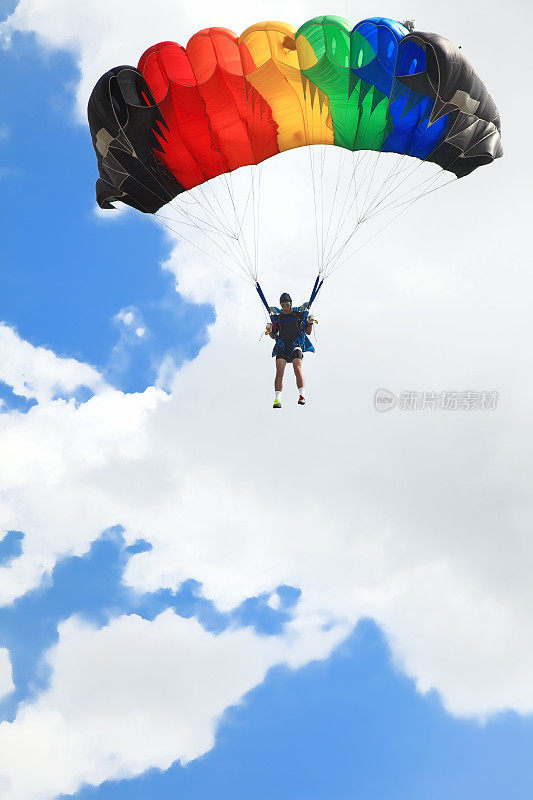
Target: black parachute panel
124, 119
435, 68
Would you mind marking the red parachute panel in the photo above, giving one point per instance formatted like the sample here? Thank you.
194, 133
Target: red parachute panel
217, 120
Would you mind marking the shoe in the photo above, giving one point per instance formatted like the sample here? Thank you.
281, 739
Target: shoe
301, 401
277, 404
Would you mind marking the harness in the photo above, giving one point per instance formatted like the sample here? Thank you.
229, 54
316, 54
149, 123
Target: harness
274, 312
290, 329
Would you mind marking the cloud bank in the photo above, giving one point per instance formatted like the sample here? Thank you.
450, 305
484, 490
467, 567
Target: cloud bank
137, 695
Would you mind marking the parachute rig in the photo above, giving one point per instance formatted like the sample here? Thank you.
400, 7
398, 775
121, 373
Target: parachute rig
177, 135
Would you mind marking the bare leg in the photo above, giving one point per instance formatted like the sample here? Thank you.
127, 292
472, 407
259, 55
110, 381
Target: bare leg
297, 366
280, 371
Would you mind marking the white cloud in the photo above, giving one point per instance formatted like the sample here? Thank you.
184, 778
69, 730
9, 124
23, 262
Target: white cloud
101, 34
6, 673
138, 694
37, 372
132, 333
420, 520
4, 133
120, 211
274, 601
131, 320
126, 316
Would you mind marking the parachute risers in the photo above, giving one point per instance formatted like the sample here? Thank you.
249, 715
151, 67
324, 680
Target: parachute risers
263, 298
316, 288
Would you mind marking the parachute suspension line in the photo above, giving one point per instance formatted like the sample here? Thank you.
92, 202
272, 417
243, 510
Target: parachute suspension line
170, 201
367, 174
410, 170
180, 235
344, 212
259, 176
175, 205
322, 155
202, 189
393, 206
253, 261
254, 215
309, 132
255, 172
375, 206
391, 176
356, 161
191, 200
361, 217
190, 224
341, 162
167, 193
242, 241
370, 182
312, 168
246, 264
178, 203
398, 201
398, 176
412, 167
333, 257
396, 172
389, 222
228, 247
209, 255
355, 168
203, 222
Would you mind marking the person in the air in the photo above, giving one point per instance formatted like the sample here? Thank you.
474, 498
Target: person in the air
290, 328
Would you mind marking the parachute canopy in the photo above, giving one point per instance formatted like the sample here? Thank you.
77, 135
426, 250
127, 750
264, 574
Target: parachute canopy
189, 114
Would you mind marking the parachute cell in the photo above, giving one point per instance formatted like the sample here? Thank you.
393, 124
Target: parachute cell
126, 125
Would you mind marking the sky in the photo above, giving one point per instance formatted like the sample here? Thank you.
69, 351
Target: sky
199, 595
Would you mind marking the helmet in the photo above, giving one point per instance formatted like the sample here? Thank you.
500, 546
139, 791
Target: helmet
285, 298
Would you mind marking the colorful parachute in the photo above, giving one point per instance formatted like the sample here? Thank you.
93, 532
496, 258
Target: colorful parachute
190, 114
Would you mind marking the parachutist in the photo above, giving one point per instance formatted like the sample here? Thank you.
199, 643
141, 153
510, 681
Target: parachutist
290, 328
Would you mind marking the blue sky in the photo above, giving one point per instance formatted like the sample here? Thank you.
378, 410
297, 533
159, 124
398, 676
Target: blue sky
351, 726
70, 272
